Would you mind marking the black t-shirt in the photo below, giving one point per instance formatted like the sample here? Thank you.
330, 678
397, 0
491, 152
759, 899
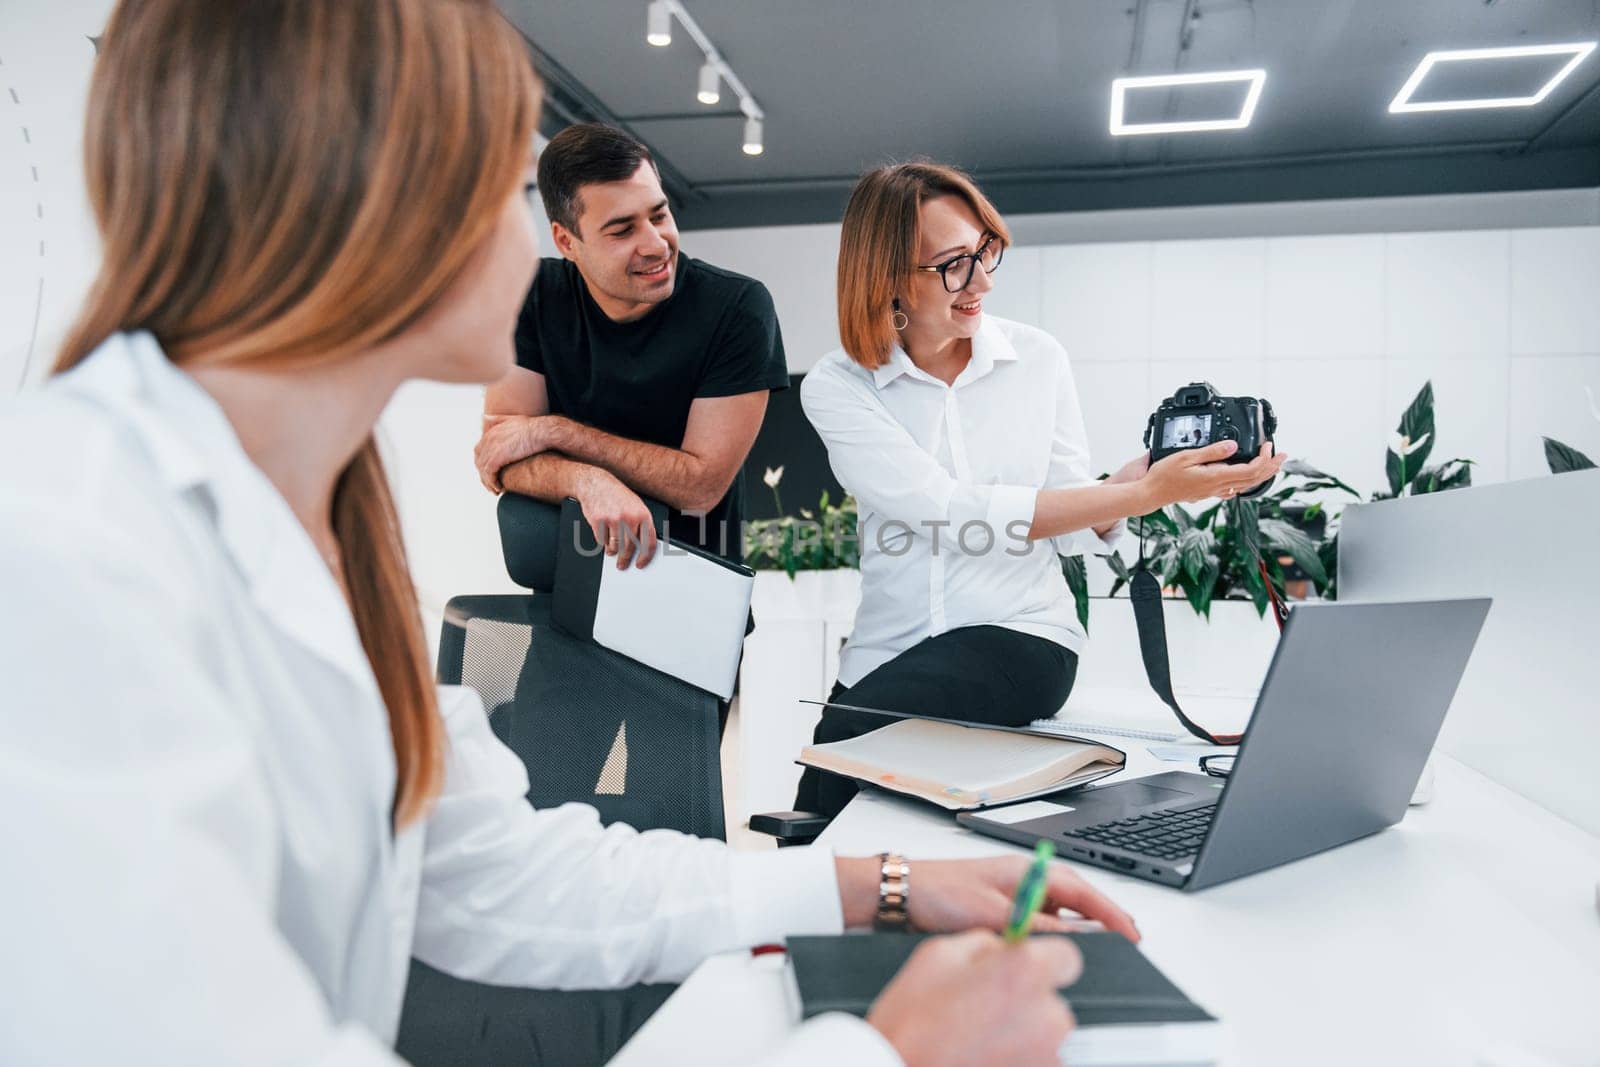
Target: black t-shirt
717, 335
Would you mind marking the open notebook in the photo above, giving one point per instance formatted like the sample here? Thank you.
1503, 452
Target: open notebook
963, 766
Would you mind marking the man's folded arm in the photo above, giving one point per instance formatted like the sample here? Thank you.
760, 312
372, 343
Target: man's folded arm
549, 476
546, 476
694, 477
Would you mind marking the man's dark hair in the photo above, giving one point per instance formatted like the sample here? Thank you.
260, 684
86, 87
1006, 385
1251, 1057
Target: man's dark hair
585, 154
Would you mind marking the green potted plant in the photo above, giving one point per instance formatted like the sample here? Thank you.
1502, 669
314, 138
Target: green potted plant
1562, 458
1211, 555
808, 564
820, 540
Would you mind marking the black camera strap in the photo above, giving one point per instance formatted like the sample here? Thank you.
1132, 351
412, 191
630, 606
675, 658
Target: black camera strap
1145, 592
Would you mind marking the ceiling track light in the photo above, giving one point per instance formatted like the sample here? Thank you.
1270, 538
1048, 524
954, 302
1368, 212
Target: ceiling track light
1402, 103
710, 84
713, 73
659, 30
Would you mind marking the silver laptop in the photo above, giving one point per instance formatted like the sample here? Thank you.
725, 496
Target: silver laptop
1349, 711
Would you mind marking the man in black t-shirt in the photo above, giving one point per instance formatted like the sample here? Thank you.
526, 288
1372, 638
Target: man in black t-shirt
640, 371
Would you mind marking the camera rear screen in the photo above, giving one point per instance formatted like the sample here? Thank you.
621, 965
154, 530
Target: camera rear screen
1186, 431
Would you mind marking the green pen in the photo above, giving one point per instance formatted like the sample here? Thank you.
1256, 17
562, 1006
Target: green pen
1030, 894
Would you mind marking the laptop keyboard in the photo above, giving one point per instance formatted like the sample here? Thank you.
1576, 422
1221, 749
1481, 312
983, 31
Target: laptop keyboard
1169, 834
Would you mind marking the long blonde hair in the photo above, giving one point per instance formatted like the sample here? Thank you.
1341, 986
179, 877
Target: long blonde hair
285, 182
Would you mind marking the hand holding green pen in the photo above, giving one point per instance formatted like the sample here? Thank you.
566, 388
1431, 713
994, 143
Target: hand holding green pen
1030, 894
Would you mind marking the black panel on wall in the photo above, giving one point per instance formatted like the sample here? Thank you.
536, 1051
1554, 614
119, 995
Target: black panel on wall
787, 440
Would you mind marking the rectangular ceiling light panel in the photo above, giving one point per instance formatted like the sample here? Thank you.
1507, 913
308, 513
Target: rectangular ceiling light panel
1254, 79
1402, 103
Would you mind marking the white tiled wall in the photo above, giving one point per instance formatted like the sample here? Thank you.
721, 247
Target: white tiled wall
1097, 299
1208, 299
1339, 330
1325, 297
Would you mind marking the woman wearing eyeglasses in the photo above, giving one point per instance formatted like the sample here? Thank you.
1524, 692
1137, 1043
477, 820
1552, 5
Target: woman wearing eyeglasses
233, 804
961, 438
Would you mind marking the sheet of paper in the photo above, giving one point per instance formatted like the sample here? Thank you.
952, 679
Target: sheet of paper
1033, 809
1137, 712
959, 756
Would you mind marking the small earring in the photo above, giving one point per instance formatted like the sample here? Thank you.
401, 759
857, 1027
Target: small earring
898, 319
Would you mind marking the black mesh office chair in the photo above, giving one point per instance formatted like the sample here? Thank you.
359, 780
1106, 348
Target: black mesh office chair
591, 726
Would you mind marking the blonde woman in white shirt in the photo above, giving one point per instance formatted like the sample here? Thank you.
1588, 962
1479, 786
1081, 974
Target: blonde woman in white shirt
233, 802
961, 438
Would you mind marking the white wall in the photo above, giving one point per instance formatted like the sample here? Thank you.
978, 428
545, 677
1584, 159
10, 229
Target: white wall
49, 253
798, 264
1337, 329
48, 248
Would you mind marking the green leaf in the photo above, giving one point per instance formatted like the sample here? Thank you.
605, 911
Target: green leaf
1161, 521
1452, 474
1257, 588
1414, 423
1244, 517
1200, 589
1119, 568
1181, 518
1320, 480
1072, 568
1456, 477
1208, 516
1197, 550
1328, 552
1287, 539
1166, 565
1563, 458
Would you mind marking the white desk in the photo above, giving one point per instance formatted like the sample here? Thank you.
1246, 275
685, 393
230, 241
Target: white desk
1466, 935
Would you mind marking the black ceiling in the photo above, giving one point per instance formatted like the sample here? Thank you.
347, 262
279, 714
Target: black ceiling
1018, 91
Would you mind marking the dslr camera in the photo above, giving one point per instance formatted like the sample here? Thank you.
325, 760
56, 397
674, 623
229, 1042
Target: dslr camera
1196, 416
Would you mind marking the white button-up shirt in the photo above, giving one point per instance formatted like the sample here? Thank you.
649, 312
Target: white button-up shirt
196, 777
945, 478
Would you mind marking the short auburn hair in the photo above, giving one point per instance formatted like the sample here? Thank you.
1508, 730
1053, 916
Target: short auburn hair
878, 247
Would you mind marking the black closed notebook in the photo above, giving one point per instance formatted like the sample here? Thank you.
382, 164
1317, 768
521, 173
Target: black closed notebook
1120, 997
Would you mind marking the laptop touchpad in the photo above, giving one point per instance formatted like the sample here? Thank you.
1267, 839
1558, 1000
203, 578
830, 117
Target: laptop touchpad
1140, 795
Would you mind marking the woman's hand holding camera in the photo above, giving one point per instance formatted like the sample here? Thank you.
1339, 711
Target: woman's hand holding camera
1201, 473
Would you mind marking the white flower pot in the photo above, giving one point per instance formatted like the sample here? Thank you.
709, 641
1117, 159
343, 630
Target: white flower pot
819, 596
793, 655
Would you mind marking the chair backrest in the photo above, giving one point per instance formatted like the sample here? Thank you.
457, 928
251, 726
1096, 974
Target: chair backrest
590, 725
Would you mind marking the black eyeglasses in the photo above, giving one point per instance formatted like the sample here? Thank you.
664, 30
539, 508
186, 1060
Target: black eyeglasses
1219, 765
956, 272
